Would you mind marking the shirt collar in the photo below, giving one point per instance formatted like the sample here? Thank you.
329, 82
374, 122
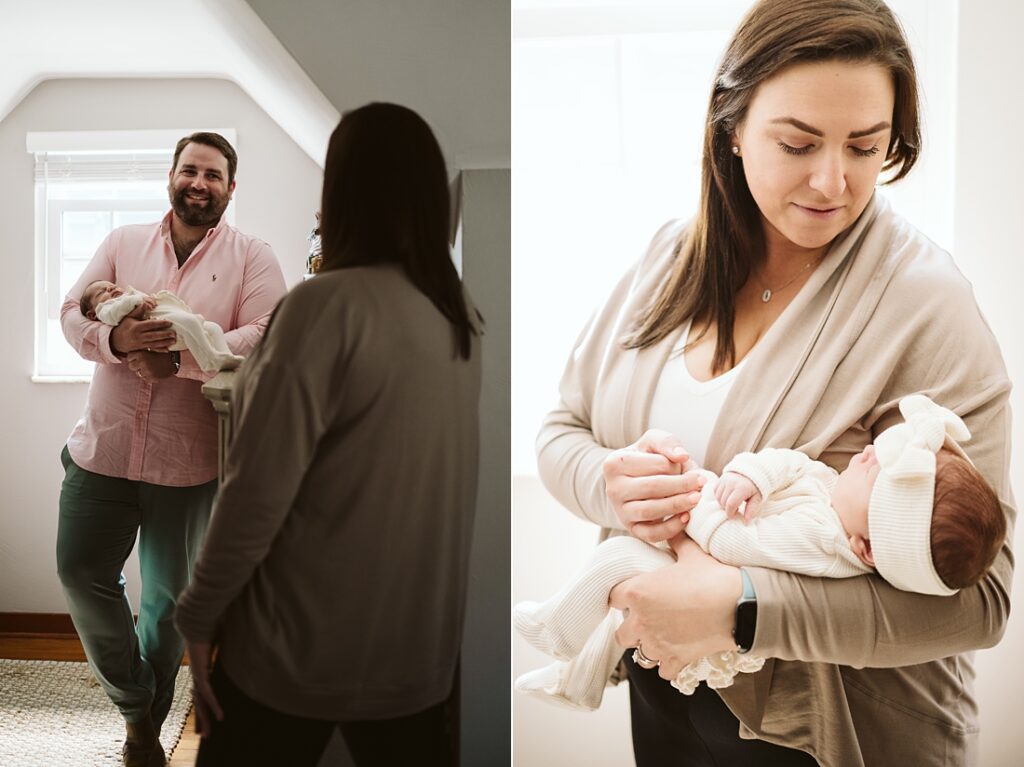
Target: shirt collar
165, 226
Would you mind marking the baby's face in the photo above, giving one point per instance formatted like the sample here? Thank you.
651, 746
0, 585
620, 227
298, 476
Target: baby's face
852, 493
101, 291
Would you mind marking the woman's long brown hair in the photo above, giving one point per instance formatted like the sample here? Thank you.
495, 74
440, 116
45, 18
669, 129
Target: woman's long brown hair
385, 200
726, 240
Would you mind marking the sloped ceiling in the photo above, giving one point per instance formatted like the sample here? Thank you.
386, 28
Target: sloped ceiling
46, 39
447, 59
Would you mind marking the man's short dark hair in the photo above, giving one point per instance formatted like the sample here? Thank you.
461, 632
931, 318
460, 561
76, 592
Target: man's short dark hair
214, 140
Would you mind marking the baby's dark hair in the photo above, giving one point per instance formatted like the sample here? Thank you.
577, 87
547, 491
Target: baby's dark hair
968, 525
85, 304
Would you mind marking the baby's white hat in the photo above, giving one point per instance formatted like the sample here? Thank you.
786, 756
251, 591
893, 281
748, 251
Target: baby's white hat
900, 509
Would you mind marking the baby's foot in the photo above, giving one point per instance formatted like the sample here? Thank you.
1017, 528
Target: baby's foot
548, 684
560, 625
579, 683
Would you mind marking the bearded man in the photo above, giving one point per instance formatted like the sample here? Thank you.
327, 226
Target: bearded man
142, 460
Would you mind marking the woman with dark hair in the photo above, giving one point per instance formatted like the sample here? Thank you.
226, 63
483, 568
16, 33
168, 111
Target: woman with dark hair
795, 310
333, 577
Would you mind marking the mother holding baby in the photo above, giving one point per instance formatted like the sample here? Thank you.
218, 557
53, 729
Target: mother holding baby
805, 308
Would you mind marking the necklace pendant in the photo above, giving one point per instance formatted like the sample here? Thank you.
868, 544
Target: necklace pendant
766, 296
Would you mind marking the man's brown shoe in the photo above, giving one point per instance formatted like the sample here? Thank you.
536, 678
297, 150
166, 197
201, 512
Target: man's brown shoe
142, 746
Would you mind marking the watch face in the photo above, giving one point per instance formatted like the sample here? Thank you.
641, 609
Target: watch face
746, 623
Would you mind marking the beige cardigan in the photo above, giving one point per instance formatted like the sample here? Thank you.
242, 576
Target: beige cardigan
887, 314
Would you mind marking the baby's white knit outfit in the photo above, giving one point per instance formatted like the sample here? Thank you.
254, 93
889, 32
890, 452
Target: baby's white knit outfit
796, 529
203, 338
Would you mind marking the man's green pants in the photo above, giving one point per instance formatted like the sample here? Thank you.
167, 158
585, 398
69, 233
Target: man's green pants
100, 518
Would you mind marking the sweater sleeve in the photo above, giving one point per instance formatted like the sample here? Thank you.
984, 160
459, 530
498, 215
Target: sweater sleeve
949, 354
801, 539
770, 469
570, 456
286, 405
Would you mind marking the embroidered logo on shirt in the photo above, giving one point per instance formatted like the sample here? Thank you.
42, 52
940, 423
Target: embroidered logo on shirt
214, 278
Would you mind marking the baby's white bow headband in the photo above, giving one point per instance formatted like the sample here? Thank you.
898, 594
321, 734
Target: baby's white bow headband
900, 510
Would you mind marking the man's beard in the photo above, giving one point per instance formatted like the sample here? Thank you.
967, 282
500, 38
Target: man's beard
193, 215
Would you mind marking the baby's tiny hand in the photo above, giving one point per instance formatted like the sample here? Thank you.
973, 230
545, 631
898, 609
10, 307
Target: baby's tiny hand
733, 490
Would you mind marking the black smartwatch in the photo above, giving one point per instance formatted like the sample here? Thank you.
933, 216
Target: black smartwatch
176, 361
746, 615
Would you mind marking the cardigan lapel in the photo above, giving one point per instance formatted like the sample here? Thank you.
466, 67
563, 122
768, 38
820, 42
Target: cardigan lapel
753, 415
629, 377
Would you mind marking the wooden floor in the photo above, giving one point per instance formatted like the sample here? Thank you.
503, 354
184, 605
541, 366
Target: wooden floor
68, 648
188, 747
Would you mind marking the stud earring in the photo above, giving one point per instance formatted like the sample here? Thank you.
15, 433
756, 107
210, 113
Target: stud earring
736, 150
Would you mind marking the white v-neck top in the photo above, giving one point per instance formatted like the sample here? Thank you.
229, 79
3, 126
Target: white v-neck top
686, 407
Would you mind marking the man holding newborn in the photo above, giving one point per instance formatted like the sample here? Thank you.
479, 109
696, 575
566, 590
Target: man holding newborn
142, 460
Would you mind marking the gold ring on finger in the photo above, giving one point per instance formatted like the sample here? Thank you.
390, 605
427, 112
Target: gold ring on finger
642, 660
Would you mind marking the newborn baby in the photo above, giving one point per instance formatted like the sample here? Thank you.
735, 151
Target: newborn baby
106, 302
911, 507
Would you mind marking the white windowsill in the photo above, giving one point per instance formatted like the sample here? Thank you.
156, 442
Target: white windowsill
61, 379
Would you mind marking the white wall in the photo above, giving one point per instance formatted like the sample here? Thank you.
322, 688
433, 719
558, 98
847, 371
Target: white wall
989, 199
278, 191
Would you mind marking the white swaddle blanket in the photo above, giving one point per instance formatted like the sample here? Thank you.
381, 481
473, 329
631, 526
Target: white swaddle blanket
203, 338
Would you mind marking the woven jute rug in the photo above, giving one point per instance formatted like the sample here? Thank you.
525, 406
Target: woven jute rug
53, 714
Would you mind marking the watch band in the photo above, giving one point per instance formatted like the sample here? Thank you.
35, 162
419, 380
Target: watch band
746, 615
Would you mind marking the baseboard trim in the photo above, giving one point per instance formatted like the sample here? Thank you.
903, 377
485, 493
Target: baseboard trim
41, 636
38, 624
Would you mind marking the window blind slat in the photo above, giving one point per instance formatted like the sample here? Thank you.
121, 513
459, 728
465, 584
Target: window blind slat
54, 167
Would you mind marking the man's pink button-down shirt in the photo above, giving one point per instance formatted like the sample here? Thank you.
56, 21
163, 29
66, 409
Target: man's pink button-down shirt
165, 433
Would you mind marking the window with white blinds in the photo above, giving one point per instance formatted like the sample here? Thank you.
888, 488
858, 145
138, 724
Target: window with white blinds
86, 184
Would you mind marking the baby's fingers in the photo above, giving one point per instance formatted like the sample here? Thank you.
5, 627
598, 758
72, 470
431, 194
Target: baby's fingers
753, 506
733, 503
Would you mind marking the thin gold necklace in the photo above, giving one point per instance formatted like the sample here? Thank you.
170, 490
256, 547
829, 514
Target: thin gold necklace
768, 292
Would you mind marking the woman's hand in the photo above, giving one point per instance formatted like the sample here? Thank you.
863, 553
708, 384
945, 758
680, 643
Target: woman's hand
649, 487
681, 612
200, 655
734, 490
